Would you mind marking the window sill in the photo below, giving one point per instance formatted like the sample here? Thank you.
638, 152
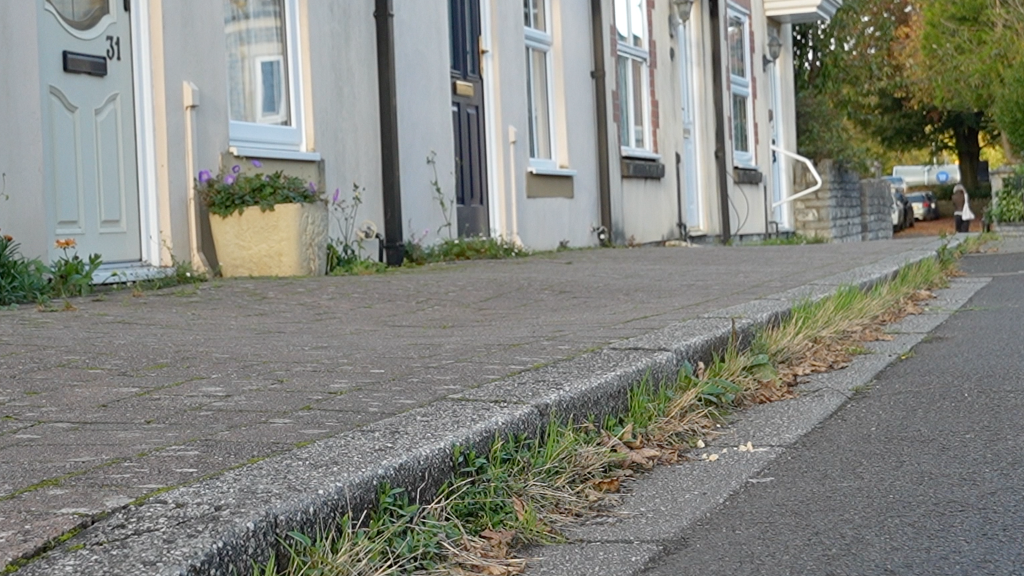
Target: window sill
644, 168
560, 172
747, 175
274, 153
639, 153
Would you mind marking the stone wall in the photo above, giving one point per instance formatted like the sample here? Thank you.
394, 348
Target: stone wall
845, 208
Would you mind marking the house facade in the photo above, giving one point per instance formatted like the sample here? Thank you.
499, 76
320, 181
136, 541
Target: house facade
547, 122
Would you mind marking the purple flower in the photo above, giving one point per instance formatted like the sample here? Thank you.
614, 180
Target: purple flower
312, 188
204, 176
229, 179
257, 163
236, 168
337, 192
266, 178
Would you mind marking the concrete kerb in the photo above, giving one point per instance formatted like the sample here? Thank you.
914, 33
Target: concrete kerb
220, 526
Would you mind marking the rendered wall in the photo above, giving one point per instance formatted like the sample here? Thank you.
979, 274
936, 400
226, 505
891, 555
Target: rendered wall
21, 144
344, 122
646, 209
544, 222
341, 114
423, 68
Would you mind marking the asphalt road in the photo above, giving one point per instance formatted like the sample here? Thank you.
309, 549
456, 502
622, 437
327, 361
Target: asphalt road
921, 474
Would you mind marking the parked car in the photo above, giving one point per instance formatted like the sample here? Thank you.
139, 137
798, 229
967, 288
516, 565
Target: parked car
925, 204
901, 211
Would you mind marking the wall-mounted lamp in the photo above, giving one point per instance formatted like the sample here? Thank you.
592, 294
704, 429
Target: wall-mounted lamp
774, 50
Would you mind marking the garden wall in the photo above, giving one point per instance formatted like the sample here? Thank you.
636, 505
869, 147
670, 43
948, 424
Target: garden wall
845, 208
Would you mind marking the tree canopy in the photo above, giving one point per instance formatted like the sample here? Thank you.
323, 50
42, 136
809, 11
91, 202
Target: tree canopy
912, 74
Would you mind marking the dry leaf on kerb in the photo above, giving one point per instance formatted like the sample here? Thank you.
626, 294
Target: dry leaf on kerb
607, 485
614, 443
499, 537
748, 447
519, 507
713, 457
700, 444
635, 457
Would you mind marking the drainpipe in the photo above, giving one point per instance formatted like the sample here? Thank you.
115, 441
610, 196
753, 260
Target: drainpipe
601, 101
190, 94
718, 95
394, 247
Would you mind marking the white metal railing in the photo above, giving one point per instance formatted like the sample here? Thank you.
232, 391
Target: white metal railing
810, 166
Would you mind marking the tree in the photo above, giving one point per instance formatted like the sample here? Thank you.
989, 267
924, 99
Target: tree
959, 60
881, 64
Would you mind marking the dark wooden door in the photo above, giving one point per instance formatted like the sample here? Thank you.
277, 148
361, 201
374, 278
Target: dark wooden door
468, 119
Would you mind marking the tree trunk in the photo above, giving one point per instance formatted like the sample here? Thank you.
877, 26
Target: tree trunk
968, 151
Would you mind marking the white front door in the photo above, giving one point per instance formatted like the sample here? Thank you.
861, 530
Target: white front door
689, 177
88, 109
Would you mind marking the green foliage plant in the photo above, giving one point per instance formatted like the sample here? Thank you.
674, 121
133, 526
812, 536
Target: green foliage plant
1010, 106
233, 191
475, 248
1009, 203
794, 240
21, 279
70, 275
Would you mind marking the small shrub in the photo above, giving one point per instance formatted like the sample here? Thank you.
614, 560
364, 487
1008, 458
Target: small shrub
1009, 202
21, 279
478, 248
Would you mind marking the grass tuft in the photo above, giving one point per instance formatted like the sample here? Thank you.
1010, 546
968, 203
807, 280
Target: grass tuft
525, 490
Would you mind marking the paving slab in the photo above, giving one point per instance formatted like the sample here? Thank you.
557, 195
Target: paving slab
256, 369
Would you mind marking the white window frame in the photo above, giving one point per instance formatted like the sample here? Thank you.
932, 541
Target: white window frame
740, 86
643, 55
258, 73
270, 141
542, 41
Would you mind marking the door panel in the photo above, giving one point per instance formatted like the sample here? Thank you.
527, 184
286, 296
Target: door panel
468, 119
65, 163
89, 130
110, 165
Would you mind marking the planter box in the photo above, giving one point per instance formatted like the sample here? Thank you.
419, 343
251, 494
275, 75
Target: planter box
290, 240
1009, 228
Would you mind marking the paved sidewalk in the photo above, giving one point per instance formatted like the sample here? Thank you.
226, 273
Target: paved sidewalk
129, 396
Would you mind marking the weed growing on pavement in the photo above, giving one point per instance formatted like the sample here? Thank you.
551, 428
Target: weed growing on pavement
345, 253
794, 240
525, 490
449, 250
70, 275
29, 280
444, 202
